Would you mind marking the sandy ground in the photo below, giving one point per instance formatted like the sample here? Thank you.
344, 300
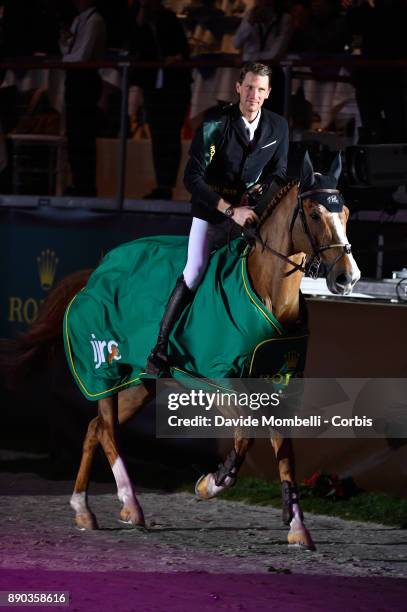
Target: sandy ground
214, 555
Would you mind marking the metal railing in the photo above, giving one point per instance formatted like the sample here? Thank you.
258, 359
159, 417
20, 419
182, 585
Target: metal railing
292, 70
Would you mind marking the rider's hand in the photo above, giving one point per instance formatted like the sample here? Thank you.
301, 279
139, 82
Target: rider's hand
244, 216
244, 200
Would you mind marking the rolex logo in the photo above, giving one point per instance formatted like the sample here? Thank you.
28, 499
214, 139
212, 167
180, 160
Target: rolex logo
47, 265
292, 359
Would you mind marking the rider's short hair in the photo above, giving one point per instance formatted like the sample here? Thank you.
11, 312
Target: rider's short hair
256, 68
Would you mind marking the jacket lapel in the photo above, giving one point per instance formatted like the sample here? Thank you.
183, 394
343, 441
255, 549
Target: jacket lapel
264, 135
238, 126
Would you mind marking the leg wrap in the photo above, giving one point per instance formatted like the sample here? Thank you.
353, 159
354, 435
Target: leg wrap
289, 498
229, 468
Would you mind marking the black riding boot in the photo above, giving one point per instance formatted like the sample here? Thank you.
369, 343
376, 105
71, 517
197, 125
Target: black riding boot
181, 296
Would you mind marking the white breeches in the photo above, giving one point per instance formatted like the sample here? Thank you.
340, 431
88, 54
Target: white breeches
199, 248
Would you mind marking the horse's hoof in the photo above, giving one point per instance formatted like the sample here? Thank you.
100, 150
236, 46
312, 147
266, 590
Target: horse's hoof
133, 525
200, 489
132, 517
300, 538
206, 487
203, 488
86, 521
301, 547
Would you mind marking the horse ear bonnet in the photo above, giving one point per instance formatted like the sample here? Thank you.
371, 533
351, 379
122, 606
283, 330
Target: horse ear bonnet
333, 202
336, 167
307, 179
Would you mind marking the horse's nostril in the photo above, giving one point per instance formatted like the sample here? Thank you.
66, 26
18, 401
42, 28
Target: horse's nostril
341, 280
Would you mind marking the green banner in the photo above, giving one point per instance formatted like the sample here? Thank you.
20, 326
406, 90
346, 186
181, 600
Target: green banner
41, 247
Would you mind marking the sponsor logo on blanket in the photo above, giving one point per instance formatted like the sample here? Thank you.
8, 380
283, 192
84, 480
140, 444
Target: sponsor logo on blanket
292, 359
104, 351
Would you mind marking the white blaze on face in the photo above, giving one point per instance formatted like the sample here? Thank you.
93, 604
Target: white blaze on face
339, 236
124, 486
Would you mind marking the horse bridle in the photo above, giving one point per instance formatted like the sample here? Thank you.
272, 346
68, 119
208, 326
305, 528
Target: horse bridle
311, 268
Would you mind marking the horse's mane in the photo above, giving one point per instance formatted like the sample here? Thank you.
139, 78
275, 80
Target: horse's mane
275, 201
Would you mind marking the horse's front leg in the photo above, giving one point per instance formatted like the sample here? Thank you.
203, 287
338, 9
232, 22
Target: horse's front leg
225, 476
292, 513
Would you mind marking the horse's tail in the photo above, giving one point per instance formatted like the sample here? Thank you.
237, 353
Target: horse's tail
20, 356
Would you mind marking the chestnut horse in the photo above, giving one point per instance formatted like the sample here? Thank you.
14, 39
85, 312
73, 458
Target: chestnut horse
304, 219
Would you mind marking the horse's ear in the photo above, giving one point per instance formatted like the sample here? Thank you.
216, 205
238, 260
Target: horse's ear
307, 173
336, 167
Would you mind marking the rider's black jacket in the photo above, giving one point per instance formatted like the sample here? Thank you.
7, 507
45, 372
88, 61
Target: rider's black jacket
223, 163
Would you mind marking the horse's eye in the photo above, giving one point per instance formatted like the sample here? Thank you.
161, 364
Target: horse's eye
315, 216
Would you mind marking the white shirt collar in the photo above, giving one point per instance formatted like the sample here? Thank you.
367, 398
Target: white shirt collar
251, 126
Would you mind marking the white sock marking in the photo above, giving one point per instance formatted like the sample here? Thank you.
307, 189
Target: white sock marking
124, 487
79, 503
213, 489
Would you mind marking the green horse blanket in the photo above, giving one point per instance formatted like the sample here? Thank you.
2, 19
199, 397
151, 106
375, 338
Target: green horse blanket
110, 326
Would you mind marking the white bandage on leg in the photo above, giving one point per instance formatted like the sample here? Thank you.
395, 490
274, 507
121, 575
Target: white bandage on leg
199, 248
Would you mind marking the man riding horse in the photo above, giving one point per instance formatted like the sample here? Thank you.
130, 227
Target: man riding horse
111, 323
237, 149
109, 326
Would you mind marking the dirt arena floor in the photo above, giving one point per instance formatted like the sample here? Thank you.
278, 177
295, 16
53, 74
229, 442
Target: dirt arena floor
214, 555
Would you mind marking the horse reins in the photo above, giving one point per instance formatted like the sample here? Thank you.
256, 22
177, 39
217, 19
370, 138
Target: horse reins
312, 267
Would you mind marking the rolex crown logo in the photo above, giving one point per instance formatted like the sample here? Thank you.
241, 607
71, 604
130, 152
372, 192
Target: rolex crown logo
291, 358
47, 265
212, 151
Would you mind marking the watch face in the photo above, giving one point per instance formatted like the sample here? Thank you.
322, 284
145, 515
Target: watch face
229, 211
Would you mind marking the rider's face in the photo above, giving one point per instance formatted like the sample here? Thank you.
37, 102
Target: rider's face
252, 92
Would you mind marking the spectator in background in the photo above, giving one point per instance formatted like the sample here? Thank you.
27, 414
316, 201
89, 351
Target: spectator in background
206, 15
264, 34
320, 33
158, 36
116, 14
46, 28
380, 91
19, 33
300, 15
30, 26
85, 42
326, 32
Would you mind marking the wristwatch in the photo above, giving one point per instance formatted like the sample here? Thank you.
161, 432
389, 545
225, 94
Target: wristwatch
229, 211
